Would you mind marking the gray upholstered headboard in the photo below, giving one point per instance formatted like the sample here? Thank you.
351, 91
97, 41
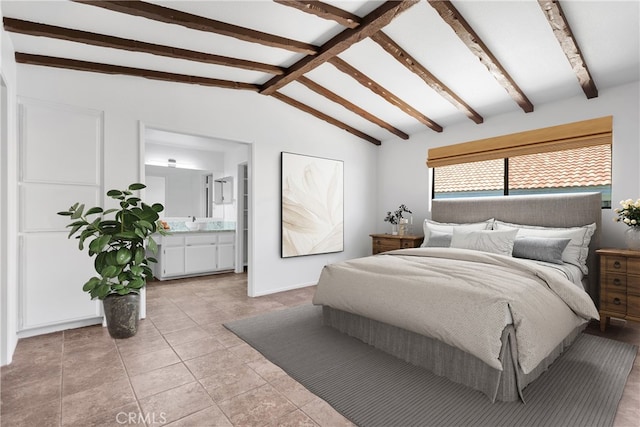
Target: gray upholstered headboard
557, 210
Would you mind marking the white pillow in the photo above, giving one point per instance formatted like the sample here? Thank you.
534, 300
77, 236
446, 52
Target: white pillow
448, 227
576, 251
497, 242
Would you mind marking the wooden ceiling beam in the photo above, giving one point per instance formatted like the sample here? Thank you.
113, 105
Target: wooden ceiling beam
384, 93
561, 29
332, 96
370, 25
77, 36
324, 10
461, 27
200, 23
95, 67
403, 57
307, 109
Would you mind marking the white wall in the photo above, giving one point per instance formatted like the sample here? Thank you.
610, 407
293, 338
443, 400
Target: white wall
268, 124
8, 201
403, 176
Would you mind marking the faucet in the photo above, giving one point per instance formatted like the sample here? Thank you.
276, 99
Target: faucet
193, 219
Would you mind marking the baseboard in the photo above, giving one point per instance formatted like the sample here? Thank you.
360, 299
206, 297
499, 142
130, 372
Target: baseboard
287, 288
59, 327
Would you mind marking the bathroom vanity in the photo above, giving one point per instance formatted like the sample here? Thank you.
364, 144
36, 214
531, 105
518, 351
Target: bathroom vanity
194, 253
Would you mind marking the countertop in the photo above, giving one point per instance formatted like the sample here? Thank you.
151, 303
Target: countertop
179, 227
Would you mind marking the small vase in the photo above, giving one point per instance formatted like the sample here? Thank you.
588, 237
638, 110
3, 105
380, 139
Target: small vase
403, 227
632, 238
394, 229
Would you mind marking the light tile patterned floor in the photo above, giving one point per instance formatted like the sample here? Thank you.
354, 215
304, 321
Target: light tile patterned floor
183, 368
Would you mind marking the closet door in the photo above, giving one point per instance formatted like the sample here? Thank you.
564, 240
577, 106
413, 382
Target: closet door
60, 164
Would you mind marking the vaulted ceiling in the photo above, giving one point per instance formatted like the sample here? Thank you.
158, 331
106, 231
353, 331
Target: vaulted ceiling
379, 70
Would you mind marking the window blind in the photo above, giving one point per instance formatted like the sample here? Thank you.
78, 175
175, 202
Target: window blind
556, 138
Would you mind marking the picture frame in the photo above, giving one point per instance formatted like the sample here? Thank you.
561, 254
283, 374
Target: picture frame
312, 205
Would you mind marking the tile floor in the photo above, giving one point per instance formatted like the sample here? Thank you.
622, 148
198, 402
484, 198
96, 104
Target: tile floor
183, 368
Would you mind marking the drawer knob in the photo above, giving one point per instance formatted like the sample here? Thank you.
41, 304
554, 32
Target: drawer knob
616, 301
617, 264
617, 282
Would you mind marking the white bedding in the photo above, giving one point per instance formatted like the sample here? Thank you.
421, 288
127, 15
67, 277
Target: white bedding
461, 297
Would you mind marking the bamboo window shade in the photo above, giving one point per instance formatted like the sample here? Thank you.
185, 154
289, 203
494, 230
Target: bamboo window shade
556, 138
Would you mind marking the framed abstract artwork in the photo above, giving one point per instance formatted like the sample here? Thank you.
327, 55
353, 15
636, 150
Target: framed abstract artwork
312, 209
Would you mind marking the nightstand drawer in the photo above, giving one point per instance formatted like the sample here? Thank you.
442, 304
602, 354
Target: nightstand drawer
408, 244
633, 305
614, 282
633, 266
615, 263
633, 285
614, 301
379, 241
383, 248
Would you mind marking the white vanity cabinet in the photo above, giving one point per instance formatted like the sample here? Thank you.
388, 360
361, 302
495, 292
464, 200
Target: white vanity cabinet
226, 256
171, 256
200, 253
191, 254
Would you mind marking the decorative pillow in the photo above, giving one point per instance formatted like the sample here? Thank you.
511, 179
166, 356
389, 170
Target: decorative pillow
548, 249
497, 242
448, 227
576, 251
438, 239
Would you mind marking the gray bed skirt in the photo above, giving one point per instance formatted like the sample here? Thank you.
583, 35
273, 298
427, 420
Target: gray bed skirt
445, 360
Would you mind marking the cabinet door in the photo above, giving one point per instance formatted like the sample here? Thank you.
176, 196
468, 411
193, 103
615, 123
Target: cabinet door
172, 260
226, 257
200, 258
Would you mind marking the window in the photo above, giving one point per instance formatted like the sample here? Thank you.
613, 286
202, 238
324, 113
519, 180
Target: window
569, 171
562, 159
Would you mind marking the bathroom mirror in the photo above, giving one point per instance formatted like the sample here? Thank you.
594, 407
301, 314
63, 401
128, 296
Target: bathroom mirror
183, 192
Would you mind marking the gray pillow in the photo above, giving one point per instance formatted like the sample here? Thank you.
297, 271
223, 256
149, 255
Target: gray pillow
438, 239
548, 249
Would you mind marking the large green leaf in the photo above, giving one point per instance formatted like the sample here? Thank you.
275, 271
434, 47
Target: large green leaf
123, 256
65, 213
88, 287
94, 210
157, 207
78, 212
97, 245
103, 291
136, 283
152, 245
137, 186
100, 262
139, 256
127, 235
110, 271
114, 193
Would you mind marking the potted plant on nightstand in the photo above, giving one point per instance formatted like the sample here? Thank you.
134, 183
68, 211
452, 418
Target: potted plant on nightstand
120, 246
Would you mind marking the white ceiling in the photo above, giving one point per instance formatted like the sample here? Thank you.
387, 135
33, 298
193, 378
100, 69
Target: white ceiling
516, 32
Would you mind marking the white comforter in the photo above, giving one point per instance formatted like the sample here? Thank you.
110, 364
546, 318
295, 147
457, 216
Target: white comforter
462, 298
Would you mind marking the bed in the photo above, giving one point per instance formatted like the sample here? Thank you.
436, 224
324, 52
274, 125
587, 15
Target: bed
481, 318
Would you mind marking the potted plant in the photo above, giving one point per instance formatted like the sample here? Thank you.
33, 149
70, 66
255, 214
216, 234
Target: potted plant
119, 245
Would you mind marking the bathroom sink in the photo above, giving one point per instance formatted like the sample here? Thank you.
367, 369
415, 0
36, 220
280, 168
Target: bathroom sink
194, 226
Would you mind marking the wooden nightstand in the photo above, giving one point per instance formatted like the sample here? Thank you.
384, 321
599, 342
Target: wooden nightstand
619, 285
390, 242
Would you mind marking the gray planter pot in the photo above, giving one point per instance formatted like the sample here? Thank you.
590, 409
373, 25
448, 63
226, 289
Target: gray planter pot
122, 313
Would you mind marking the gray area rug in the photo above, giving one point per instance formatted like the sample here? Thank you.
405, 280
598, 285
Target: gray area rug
371, 388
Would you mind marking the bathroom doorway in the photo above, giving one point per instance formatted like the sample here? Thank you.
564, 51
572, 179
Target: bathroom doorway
168, 153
